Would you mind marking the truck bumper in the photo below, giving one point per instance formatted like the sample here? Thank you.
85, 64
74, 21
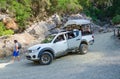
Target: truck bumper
91, 42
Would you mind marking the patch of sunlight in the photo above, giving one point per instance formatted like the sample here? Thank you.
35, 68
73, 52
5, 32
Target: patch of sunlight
92, 57
3, 65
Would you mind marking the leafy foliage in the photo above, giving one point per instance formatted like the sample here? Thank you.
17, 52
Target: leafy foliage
115, 9
40, 9
20, 9
98, 9
48, 39
116, 19
3, 31
66, 6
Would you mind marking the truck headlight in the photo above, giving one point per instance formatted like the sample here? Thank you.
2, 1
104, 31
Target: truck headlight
35, 50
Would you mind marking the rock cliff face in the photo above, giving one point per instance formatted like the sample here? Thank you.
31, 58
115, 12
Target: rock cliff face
8, 22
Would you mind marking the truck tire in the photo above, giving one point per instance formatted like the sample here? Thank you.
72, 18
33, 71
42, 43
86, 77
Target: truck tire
46, 58
83, 48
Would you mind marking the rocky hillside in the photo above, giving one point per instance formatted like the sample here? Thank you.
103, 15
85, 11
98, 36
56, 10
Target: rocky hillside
26, 18
35, 32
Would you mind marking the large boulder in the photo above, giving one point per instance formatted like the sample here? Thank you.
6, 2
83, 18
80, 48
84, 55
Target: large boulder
41, 29
10, 23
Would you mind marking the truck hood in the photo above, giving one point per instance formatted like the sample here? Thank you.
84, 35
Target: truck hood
38, 46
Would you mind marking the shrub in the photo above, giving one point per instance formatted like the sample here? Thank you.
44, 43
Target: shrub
22, 12
116, 19
66, 6
4, 31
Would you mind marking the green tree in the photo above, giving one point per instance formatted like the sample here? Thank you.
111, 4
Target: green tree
97, 9
68, 6
22, 12
40, 8
116, 19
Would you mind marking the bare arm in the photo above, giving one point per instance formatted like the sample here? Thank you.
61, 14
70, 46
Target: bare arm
16, 47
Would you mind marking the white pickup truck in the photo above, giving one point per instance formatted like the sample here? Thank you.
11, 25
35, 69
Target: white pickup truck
59, 44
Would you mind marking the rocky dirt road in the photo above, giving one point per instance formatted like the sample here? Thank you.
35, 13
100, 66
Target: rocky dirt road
101, 62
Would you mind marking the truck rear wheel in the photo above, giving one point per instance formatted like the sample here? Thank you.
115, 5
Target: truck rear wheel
83, 48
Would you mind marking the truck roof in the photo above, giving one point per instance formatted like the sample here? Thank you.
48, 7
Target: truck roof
77, 22
62, 32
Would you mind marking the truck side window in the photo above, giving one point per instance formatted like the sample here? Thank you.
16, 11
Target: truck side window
76, 33
71, 35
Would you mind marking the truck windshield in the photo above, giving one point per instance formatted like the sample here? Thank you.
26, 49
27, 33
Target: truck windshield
48, 39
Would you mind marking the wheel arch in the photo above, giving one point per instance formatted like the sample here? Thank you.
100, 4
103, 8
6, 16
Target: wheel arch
84, 42
46, 49
81, 51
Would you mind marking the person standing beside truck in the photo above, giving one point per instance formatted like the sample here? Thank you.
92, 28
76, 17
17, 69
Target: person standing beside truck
16, 51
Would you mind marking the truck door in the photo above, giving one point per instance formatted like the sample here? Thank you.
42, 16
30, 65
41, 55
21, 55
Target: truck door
73, 39
60, 45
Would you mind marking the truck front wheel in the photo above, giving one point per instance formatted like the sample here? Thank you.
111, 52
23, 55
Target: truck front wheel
46, 58
83, 48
